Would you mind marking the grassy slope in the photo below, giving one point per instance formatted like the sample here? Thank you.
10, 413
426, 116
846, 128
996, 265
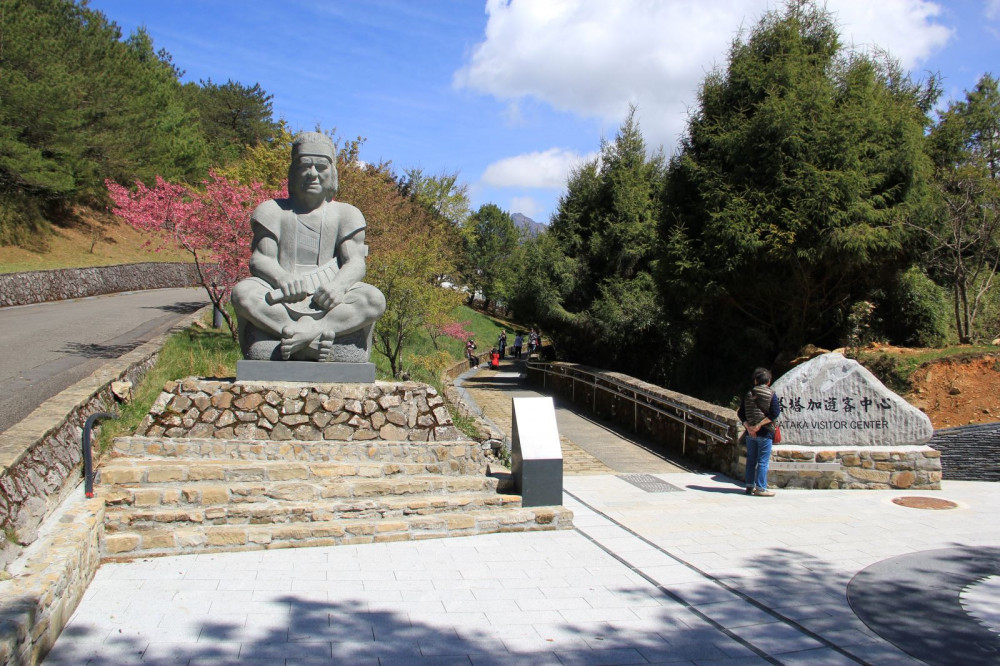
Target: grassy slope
90, 240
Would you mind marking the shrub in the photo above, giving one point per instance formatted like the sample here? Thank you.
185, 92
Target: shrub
915, 311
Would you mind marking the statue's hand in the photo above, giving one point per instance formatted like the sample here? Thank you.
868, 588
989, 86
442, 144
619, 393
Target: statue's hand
294, 290
327, 297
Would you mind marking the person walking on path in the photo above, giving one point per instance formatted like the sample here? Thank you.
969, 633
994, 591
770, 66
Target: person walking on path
470, 350
502, 344
518, 344
758, 411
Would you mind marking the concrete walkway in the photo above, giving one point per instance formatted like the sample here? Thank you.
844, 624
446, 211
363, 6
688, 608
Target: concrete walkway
695, 573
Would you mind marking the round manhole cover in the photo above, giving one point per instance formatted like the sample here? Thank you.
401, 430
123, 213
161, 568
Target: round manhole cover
924, 503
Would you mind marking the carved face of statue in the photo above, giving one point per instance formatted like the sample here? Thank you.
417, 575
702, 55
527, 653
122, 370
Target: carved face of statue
311, 176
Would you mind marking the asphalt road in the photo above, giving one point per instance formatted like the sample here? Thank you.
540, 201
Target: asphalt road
48, 347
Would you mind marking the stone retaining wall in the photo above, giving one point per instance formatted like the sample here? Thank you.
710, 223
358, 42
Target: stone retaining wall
65, 283
679, 425
49, 581
390, 411
969, 453
41, 456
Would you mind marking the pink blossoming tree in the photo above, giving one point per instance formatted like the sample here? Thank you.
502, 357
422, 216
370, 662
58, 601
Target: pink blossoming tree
211, 222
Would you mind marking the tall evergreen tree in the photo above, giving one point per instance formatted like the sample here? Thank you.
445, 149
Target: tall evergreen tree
78, 104
233, 116
789, 197
600, 301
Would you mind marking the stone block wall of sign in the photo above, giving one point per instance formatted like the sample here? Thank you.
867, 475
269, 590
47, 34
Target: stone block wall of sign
858, 468
65, 283
288, 412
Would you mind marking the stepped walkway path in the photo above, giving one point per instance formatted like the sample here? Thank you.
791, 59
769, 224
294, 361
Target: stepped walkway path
685, 569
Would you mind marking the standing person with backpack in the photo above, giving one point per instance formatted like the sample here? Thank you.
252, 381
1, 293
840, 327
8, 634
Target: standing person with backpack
758, 411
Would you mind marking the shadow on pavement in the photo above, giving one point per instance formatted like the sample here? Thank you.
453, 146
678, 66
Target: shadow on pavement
94, 350
347, 632
178, 308
913, 602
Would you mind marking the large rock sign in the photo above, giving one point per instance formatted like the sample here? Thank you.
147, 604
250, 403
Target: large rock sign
834, 401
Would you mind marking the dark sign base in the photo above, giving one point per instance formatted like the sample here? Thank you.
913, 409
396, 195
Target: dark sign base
310, 372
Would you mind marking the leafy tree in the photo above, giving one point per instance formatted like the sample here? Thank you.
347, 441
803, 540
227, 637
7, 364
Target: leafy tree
789, 197
410, 252
212, 223
443, 195
490, 238
965, 237
266, 162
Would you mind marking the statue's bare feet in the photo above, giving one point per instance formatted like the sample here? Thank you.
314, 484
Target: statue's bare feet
326, 347
295, 337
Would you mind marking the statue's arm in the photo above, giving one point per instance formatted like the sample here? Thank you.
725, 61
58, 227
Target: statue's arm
351, 254
264, 260
264, 264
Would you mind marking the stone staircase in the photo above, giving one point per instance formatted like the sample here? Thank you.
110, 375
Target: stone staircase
172, 495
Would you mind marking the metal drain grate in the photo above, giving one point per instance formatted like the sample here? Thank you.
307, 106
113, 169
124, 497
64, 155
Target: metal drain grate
649, 483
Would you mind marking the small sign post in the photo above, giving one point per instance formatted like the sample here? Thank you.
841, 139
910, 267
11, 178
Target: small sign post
536, 456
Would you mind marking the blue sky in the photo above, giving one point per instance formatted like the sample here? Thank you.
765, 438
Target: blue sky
511, 94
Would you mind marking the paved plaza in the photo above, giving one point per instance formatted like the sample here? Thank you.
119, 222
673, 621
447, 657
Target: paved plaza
666, 565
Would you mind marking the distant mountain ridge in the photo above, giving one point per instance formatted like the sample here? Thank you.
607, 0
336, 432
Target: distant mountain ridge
524, 222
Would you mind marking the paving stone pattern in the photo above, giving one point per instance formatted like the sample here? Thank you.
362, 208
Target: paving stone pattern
707, 575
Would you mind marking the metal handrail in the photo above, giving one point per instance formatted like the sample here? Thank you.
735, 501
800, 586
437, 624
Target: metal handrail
622, 389
88, 465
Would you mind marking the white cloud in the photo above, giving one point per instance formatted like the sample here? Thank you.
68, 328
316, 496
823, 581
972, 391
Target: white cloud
992, 10
905, 28
526, 206
596, 58
546, 169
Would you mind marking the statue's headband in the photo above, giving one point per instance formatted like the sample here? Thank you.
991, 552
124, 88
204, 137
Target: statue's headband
313, 143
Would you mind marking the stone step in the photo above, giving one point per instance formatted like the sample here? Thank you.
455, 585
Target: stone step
466, 453
202, 538
213, 493
121, 517
135, 471
242, 491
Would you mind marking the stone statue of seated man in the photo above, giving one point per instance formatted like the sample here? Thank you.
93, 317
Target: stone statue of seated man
305, 300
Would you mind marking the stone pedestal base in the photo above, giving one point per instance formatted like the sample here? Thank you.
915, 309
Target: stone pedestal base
311, 372
856, 467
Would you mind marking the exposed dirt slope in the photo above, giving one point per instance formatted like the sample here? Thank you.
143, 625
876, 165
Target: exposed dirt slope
89, 239
958, 391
